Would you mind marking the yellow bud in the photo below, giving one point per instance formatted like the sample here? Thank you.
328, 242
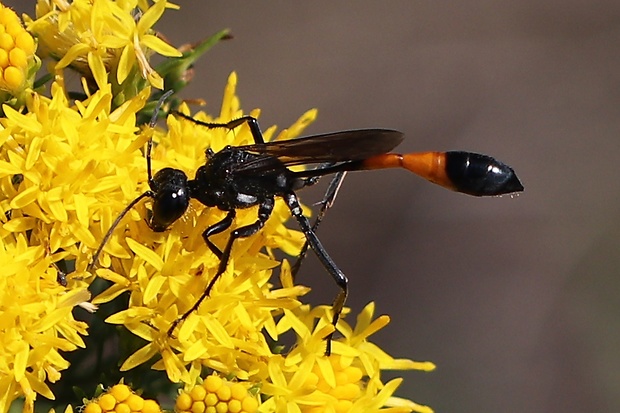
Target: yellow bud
311, 380
221, 407
7, 15
211, 399
14, 28
184, 402
92, 408
198, 393
212, 383
343, 406
151, 406
135, 402
107, 402
224, 393
341, 378
348, 391
120, 392
4, 58
238, 391
6, 41
249, 405
354, 374
13, 77
25, 42
234, 406
18, 58
122, 408
198, 407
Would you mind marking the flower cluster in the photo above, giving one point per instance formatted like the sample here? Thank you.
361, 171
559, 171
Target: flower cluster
120, 399
70, 167
17, 49
217, 395
102, 38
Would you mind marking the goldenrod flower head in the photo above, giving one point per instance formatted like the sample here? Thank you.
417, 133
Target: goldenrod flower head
347, 381
17, 48
54, 164
121, 399
217, 395
37, 321
75, 165
101, 37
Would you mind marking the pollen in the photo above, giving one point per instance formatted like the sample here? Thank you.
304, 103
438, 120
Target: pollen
121, 399
217, 395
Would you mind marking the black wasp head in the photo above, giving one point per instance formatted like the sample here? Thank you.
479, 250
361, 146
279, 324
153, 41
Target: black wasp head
171, 198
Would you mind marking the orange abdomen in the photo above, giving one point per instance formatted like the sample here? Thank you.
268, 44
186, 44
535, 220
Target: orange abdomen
429, 165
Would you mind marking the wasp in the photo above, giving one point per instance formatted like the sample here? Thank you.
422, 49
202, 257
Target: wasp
240, 177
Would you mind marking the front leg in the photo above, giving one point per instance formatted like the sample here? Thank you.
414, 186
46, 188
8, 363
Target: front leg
216, 228
264, 212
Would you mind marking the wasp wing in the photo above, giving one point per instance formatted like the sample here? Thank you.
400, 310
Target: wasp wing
330, 148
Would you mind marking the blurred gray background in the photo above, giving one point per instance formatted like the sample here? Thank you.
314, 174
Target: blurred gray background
516, 300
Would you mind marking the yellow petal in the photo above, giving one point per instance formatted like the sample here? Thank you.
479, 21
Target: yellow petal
98, 70
153, 288
21, 360
139, 357
125, 63
146, 254
159, 46
150, 17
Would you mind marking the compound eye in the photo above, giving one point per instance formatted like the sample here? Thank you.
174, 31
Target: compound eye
171, 198
169, 205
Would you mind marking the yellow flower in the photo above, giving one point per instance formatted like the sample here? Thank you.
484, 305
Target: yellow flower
75, 165
101, 37
56, 162
217, 395
37, 322
348, 381
121, 399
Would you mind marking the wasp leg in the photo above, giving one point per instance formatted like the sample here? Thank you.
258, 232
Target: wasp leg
328, 263
264, 212
216, 228
326, 203
250, 120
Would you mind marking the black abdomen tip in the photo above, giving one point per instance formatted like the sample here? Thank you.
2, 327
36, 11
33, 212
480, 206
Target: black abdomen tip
480, 175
